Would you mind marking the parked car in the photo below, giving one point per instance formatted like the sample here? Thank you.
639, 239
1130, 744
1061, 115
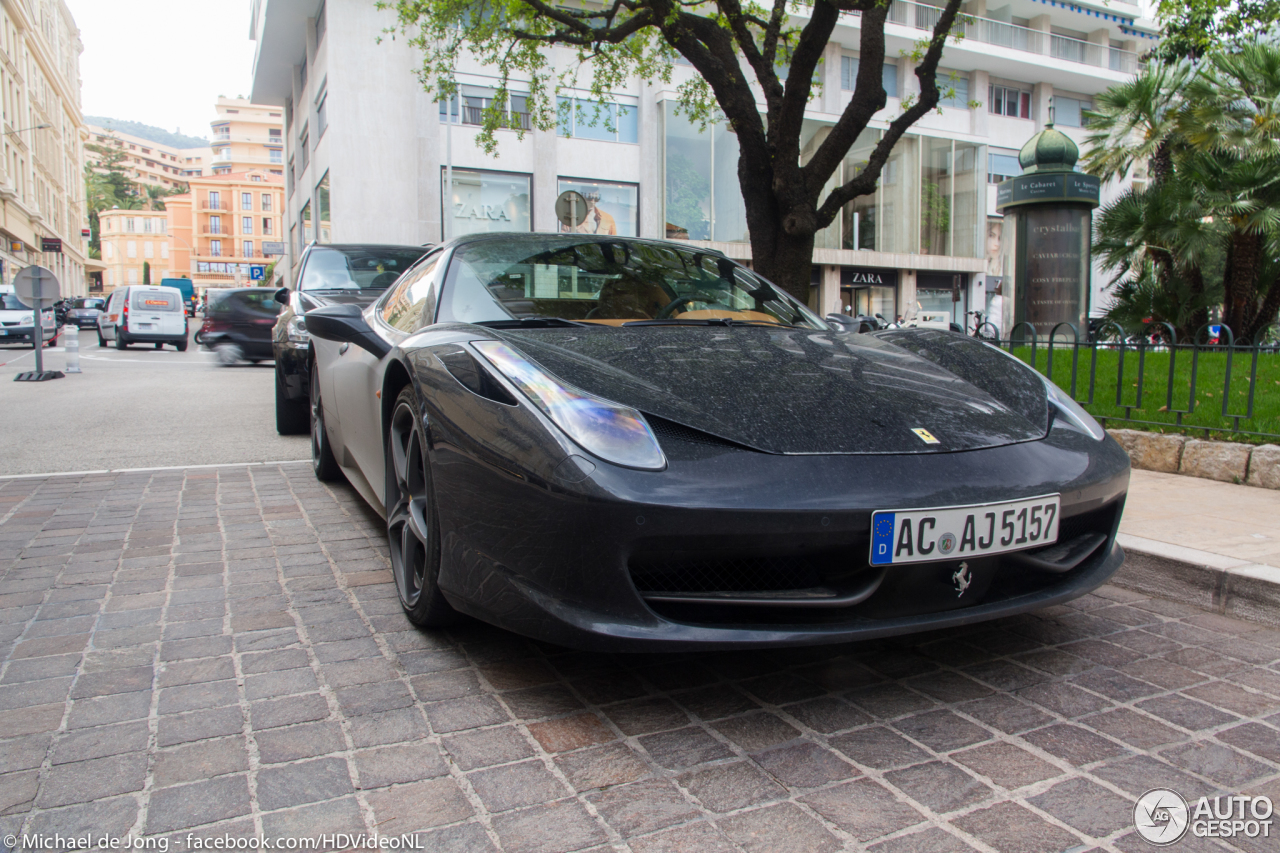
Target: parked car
83, 313
344, 274
17, 325
184, 285
143, 314
237, 324
625, 444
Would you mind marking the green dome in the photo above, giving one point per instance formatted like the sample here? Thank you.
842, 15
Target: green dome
1050, 150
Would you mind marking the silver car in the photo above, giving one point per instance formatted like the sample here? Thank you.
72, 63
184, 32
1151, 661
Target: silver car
84, 312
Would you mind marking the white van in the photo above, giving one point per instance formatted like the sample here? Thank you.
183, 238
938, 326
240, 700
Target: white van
144, 314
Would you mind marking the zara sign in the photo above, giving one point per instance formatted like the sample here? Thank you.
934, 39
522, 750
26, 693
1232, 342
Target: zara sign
868, 277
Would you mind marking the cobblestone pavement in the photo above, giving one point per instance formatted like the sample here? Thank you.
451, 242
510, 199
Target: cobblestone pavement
220, 652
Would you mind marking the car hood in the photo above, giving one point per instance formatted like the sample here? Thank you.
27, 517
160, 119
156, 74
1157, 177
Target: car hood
13, 316
791, 391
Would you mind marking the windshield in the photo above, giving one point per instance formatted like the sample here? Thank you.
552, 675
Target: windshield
610, 283
367, 268
9, 302
87, 303
156, 300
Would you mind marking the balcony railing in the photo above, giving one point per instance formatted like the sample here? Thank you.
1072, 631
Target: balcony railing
921, 16
215, 205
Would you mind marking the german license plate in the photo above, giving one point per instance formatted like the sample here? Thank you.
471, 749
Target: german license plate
956, 532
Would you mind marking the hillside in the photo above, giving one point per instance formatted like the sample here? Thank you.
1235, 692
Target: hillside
156, 134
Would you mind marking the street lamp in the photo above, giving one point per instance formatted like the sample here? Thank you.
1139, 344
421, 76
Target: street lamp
33, 127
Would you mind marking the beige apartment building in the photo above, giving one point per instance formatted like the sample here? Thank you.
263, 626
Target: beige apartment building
246, 136
145, 162
42, 167
227, 228
132, 239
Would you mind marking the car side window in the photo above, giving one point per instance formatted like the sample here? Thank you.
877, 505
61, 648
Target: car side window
403, 309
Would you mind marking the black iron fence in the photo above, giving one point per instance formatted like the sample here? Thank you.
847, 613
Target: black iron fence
1211, 384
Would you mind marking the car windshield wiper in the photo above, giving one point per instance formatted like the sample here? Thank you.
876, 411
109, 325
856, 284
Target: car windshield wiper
707, 321
530, 323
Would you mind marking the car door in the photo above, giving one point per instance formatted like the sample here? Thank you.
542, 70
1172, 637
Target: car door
259, 317
111, 315
357, 373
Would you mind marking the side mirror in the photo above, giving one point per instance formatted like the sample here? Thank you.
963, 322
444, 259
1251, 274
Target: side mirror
345, 324
282, 296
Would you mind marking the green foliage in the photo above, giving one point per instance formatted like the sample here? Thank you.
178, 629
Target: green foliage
1195, 28
1207, 228
688, 190
146, 272
935, 217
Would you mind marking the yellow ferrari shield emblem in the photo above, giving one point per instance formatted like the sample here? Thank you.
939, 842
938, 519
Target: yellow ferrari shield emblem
925, 436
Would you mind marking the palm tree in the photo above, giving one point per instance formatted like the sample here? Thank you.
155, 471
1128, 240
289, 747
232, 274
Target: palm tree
1137, 121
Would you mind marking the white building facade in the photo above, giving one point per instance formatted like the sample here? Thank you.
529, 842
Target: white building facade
372, 158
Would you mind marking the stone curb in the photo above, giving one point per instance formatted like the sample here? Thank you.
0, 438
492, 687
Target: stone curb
1213, 582
1226, 461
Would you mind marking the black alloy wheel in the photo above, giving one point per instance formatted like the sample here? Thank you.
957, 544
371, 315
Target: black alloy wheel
102, 342
412, 521
121, 343
323, 463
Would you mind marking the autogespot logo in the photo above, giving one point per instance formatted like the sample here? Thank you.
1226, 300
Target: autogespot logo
1161, 816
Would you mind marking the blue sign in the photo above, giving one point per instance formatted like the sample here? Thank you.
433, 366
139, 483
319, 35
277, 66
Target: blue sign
882, 538
257, 272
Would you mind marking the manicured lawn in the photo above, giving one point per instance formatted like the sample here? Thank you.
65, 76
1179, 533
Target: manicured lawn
1155, 404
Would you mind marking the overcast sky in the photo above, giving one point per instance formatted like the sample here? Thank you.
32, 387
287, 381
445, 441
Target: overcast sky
163, 62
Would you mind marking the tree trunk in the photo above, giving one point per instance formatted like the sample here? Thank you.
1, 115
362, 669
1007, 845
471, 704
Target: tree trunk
786, 260
1244, 251
1266, 314
1200, 315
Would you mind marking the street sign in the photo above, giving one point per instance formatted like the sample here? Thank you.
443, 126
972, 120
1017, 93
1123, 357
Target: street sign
256, 272
86, 233
15, 246
270, 248
571, 208
37, 287
51, 244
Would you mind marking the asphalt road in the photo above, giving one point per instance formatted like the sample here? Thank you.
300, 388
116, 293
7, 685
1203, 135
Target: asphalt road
140, 408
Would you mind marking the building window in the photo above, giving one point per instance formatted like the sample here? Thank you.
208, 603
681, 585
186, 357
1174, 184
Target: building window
215, 248
266, 226
320, 24
266, 201
1006, 101
702, 200
953, 89
132, 276
246, 201
146, 226
215, 224
322, 209
246, 225
304, 221
215, 201
288, 178
248, 248
273, 133
322, 115
131, 249
1002, 167
304, 149
611, 208
1068, 112
849, 75
128, 223
477, 99
487, 201
275, 155
589, 120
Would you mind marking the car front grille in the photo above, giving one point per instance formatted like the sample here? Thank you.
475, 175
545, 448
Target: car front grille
693, 572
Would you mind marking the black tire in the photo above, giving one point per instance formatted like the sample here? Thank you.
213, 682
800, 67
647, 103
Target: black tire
102, 342
412, 519
121, 343
322, 461
159, 346
292, 416
181, 345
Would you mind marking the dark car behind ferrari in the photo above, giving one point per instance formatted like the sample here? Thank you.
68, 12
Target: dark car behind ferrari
83, 313
238, 323
329, 274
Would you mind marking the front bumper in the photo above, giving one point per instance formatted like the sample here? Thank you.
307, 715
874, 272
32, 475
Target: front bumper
23, 334
565, 562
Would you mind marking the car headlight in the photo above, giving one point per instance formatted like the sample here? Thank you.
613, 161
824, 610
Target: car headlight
1073, 411
297, 330
612, 431
25, 319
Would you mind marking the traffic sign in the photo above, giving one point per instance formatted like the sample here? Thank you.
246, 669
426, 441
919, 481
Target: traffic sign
256, 272
37, 287
571, 208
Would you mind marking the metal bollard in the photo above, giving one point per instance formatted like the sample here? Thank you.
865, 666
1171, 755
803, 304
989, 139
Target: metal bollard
71, 344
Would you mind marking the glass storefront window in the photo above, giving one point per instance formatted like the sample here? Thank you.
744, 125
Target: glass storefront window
688, 178
322, 208
728, 210
590, 120
884, 221
611, 208
935, 197
483, 202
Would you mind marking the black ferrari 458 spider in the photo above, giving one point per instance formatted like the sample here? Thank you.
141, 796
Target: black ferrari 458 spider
627, 444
